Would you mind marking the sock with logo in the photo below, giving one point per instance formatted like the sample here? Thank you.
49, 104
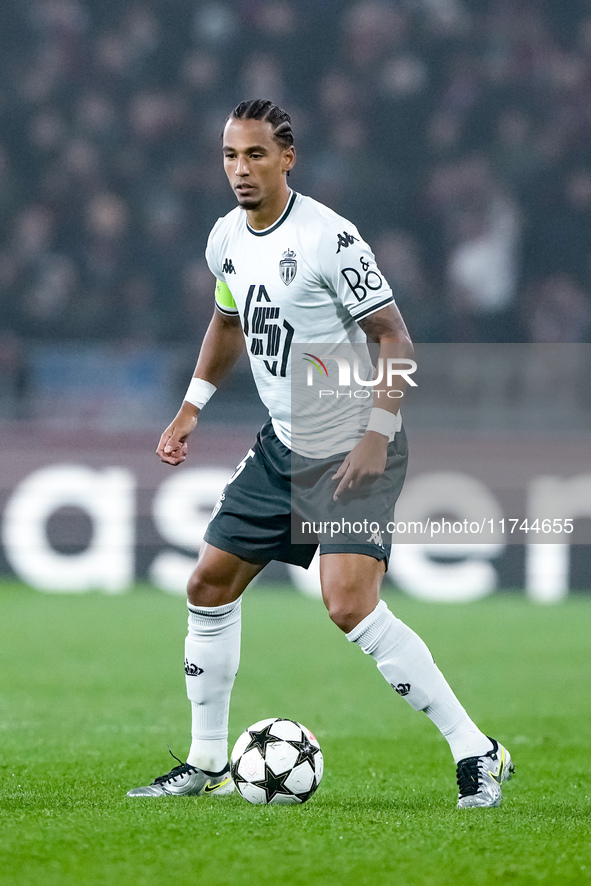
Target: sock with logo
212, 656
408, 666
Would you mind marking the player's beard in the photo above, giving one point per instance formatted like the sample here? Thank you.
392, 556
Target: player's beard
249, 202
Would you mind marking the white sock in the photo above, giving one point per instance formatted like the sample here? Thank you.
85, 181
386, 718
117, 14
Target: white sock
408, 666
212, 656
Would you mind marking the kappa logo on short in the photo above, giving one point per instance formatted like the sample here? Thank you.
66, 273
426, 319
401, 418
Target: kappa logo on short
345, 240
376, 538
228, 266
191, 670
288, 266
401, 689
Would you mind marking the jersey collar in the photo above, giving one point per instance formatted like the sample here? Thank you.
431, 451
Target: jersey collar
279, 221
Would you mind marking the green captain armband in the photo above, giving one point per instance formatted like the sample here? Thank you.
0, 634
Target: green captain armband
224, 298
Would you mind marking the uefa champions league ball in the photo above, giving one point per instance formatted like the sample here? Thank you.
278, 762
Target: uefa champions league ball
277, 761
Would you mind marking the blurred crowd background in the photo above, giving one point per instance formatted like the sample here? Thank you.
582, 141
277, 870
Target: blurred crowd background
456, 134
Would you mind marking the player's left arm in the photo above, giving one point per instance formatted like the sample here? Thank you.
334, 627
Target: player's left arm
367, 460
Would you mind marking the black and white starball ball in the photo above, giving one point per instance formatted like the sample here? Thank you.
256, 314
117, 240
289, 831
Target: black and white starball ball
277, 761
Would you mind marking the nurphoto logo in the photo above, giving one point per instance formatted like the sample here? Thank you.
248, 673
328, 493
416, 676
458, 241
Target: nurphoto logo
349, 370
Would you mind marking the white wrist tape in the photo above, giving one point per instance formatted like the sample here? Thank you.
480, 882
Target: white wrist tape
199, 392
384, 422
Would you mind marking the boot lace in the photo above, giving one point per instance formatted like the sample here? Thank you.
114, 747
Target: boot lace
468, 776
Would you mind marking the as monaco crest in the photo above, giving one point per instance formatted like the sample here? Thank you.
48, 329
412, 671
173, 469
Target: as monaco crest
288, 266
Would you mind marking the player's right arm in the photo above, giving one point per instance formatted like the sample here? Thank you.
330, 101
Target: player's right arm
221, 348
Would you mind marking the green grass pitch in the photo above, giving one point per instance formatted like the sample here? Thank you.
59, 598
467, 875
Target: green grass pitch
92, 690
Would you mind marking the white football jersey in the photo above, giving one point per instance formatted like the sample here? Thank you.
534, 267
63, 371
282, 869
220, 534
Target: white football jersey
307, 279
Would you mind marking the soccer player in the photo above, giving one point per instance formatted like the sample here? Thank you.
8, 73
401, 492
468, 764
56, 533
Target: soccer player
289, 270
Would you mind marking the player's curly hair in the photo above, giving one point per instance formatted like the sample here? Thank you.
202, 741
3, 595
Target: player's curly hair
264, 109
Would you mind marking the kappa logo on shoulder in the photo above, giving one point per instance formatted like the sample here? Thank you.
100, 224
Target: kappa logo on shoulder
228, 266
344, 240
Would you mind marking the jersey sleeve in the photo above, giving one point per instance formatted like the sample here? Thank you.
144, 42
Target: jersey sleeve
212, 251
224, 301
348, 267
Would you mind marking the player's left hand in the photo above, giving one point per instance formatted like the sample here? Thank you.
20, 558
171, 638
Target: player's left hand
365, 462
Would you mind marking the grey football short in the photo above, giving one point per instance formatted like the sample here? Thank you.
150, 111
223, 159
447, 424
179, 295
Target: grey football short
279, 506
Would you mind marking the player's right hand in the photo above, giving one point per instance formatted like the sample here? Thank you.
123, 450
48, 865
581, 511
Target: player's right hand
172, 448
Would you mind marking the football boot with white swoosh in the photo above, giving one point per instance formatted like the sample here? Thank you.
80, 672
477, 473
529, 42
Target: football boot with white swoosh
480, 778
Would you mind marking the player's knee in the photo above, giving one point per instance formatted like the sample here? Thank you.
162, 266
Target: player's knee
206, 587
348, 603
344, 613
